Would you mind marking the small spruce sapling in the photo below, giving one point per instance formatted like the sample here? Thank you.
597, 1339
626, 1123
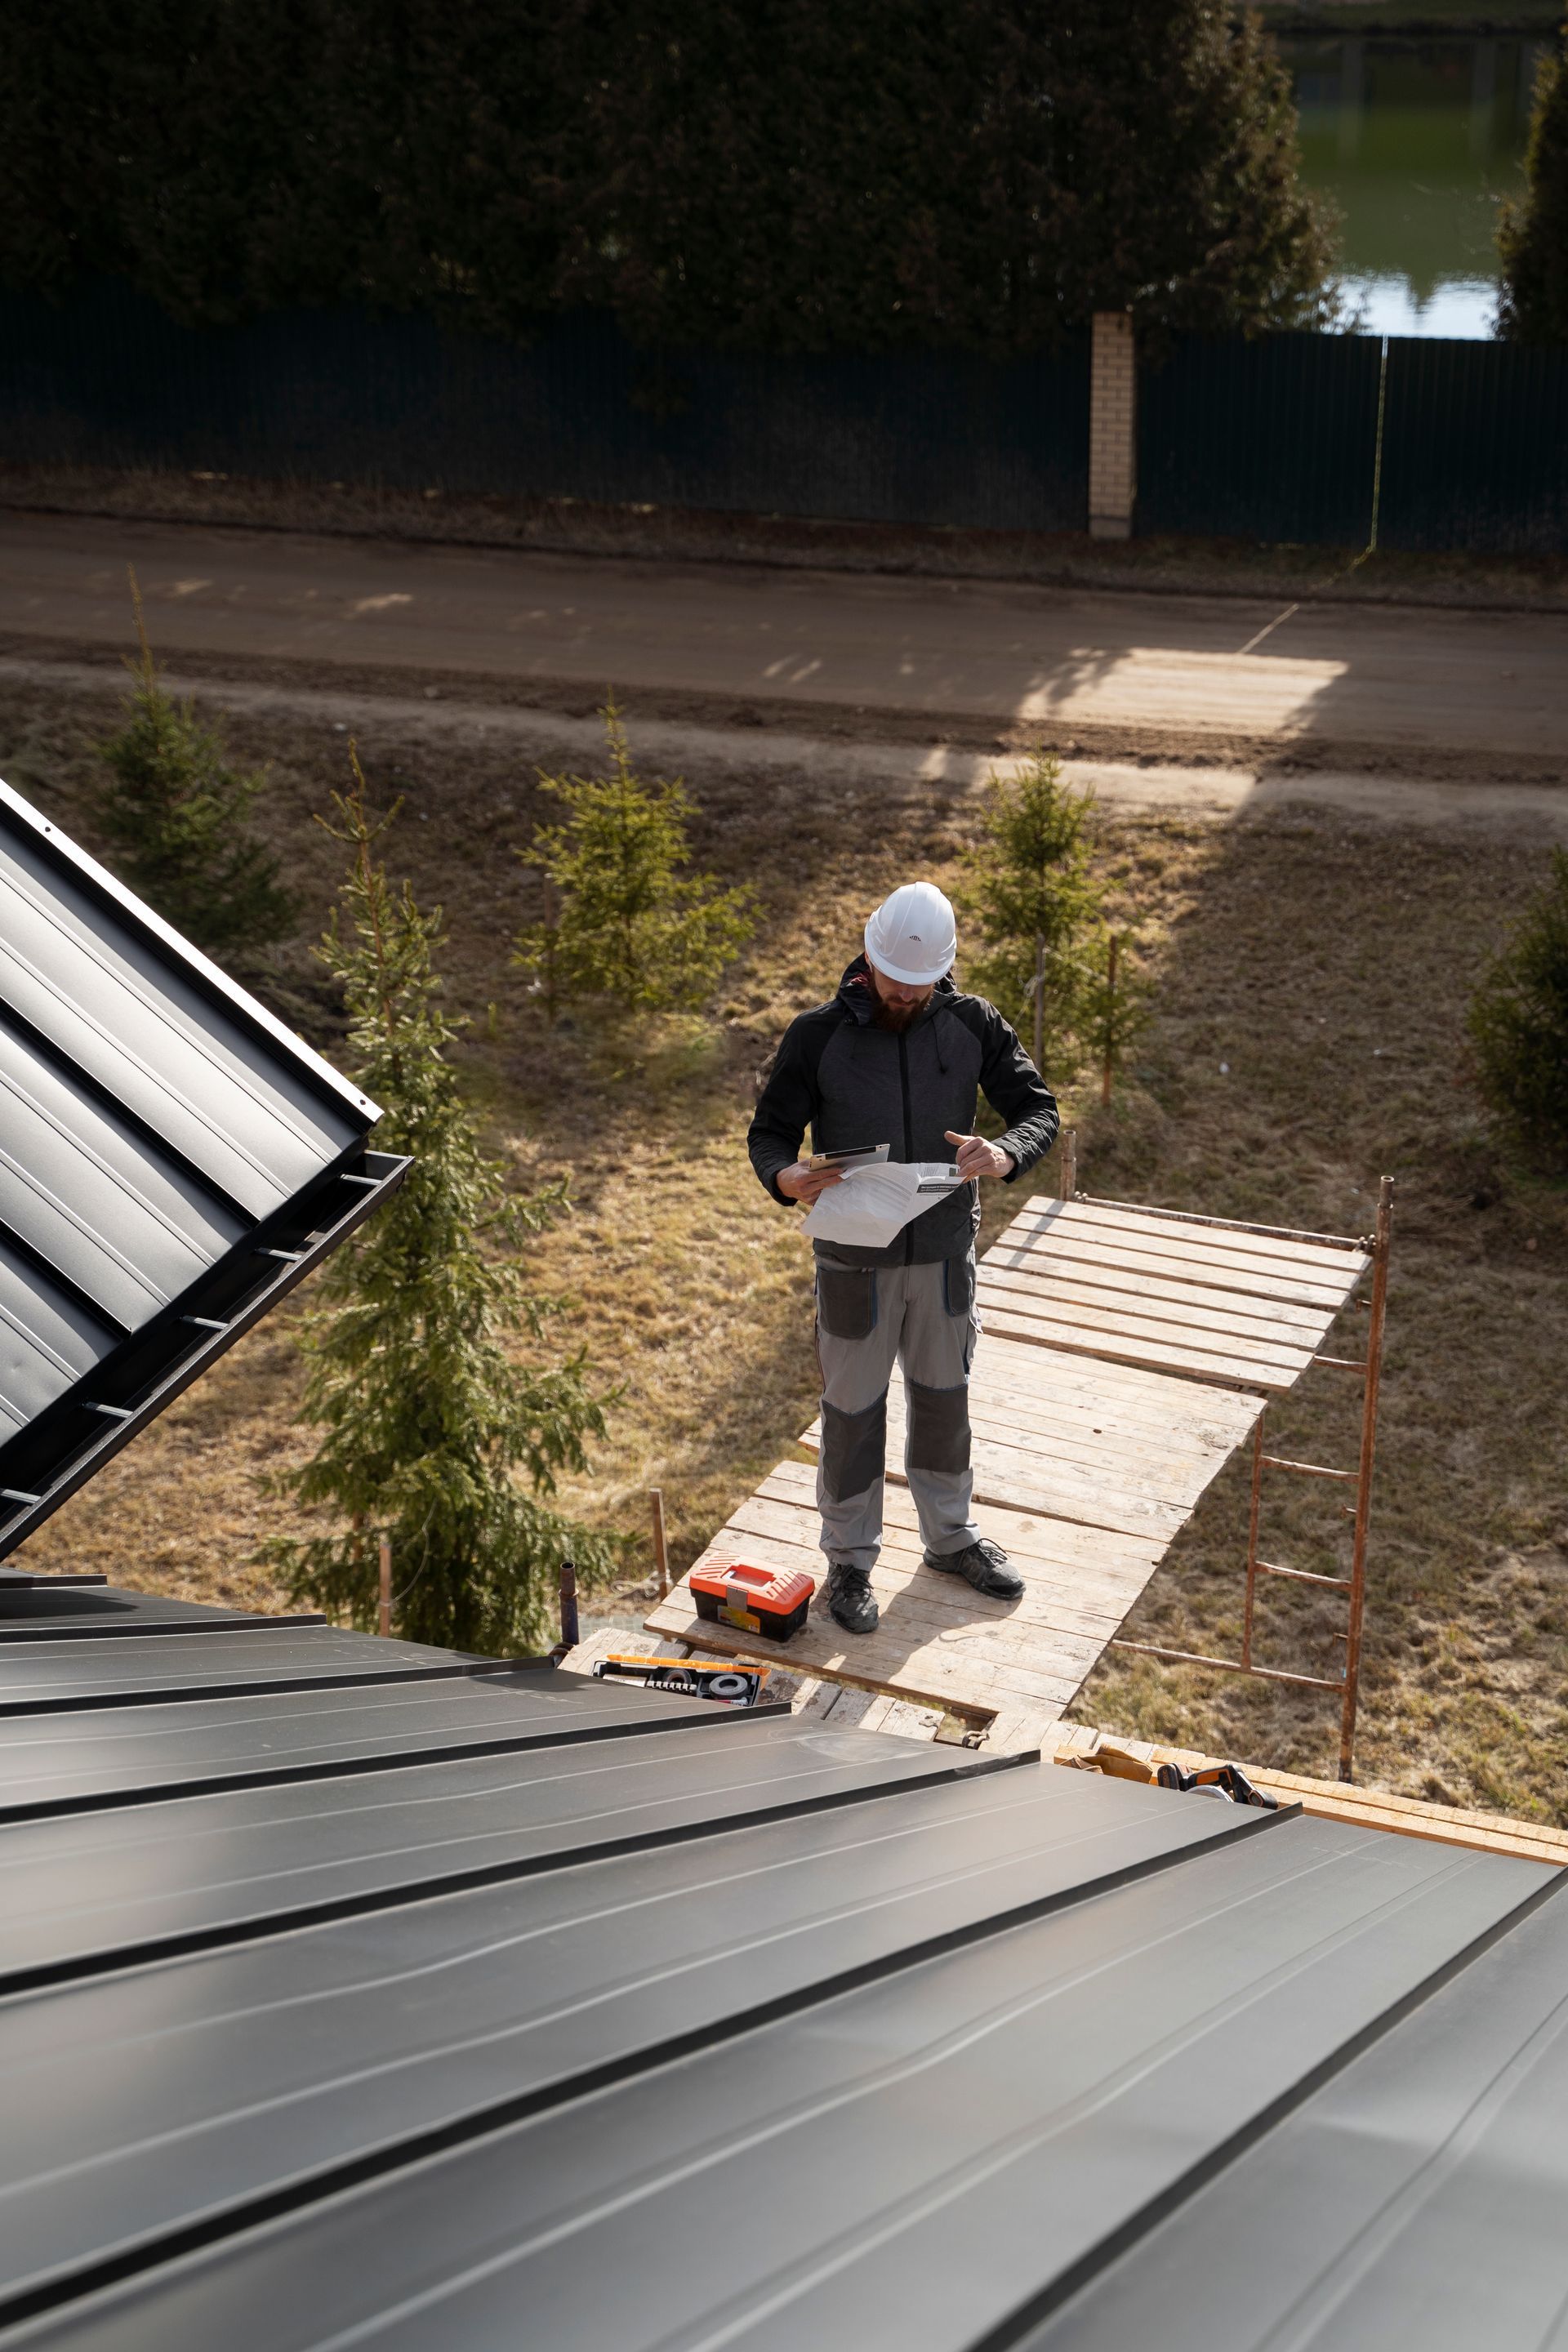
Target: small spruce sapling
1519, 1025
622, 926
174, 812
1030, 889
432, 1433
1114, 1008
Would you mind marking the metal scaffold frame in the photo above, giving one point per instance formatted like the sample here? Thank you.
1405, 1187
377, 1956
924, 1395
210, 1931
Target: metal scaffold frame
1370, 1367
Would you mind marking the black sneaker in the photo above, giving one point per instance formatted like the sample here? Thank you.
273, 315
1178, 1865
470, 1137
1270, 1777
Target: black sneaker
849, 1600
984, 1565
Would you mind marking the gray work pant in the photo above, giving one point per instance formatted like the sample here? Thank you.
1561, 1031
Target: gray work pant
922, 1317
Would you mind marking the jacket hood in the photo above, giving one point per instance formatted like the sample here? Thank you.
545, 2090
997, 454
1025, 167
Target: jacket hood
855, 991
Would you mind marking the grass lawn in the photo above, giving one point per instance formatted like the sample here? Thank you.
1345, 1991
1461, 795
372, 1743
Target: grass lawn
1311, 978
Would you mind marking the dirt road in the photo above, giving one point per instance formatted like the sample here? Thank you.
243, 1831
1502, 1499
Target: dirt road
391, 725
1451, 693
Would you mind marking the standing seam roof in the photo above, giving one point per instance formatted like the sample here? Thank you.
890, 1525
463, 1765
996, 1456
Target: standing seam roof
656, 2024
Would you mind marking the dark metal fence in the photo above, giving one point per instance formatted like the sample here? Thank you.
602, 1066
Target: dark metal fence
1274, 439
1475, 449
917, 437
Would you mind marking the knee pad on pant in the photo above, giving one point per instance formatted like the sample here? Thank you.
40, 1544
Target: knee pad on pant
938, 1427
854, 1448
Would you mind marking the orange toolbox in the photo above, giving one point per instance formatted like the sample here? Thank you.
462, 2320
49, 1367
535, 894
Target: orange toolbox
770, 1601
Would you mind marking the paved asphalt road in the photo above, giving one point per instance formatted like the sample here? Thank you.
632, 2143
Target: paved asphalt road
1194, 670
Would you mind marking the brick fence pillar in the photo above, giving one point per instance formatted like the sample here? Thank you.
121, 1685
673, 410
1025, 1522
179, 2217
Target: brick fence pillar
1112, 427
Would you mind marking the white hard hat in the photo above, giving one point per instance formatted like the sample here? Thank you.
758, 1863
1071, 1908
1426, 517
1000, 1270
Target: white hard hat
912, 937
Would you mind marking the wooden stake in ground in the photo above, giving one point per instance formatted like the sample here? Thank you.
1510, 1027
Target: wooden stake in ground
384, 1611
1109, 1022
1039, 999
661, 1554
1068, 1183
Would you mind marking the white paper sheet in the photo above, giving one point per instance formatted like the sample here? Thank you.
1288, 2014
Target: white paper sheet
871, 1206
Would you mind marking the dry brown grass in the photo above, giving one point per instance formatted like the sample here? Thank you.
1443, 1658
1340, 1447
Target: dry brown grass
1327, 965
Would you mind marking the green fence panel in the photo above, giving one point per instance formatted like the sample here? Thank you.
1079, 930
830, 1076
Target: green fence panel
1475, 449
1272, 439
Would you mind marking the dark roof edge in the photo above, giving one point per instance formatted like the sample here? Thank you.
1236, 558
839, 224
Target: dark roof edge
159, 1362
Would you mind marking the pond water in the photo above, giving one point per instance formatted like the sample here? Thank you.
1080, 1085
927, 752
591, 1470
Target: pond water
1416, 141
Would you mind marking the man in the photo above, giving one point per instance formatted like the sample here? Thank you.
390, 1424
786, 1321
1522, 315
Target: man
899, 1057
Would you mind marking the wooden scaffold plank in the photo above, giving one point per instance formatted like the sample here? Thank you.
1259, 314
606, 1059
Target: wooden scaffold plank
1127, 1355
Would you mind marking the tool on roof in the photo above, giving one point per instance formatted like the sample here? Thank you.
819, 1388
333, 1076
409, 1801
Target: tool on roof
766, 1601
1224, 1780
688, 1677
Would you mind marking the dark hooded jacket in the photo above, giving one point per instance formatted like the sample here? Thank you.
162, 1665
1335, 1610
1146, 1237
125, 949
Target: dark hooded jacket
852, 1082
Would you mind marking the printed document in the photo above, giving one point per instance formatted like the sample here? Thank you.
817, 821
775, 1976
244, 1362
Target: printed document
870, 1206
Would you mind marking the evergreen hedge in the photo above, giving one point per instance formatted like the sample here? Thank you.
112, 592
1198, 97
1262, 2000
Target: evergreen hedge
1532, 236
771, 174
1519, 1025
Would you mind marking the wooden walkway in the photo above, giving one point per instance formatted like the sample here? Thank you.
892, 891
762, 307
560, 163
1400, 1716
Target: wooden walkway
1127, 1355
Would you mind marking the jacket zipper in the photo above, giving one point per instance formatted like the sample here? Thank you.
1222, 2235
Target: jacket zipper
909, 1136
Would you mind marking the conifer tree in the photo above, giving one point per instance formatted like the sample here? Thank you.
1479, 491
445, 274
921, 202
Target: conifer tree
432, 1434
1114, 1009
1518, 1023
626, 930
1532, 233
174, 812
1031, 891
772, 176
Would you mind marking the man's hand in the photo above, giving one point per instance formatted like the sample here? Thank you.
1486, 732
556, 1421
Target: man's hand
977, 1157
802, 1183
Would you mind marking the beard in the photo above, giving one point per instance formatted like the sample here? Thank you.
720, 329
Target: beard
896, 1017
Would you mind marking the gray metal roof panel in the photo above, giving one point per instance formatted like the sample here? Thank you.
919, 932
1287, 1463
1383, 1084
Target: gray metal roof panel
70, 1762
89, 967
1419, 2198
39, 1676
82, 1889
159, 1134
136, 1203
933, 2154
261, 2066
48, 1338
49, 1610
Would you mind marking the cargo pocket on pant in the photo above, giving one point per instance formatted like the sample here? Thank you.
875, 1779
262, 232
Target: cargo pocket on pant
854, 1449
938, 1428
847, 1301
958, 1284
